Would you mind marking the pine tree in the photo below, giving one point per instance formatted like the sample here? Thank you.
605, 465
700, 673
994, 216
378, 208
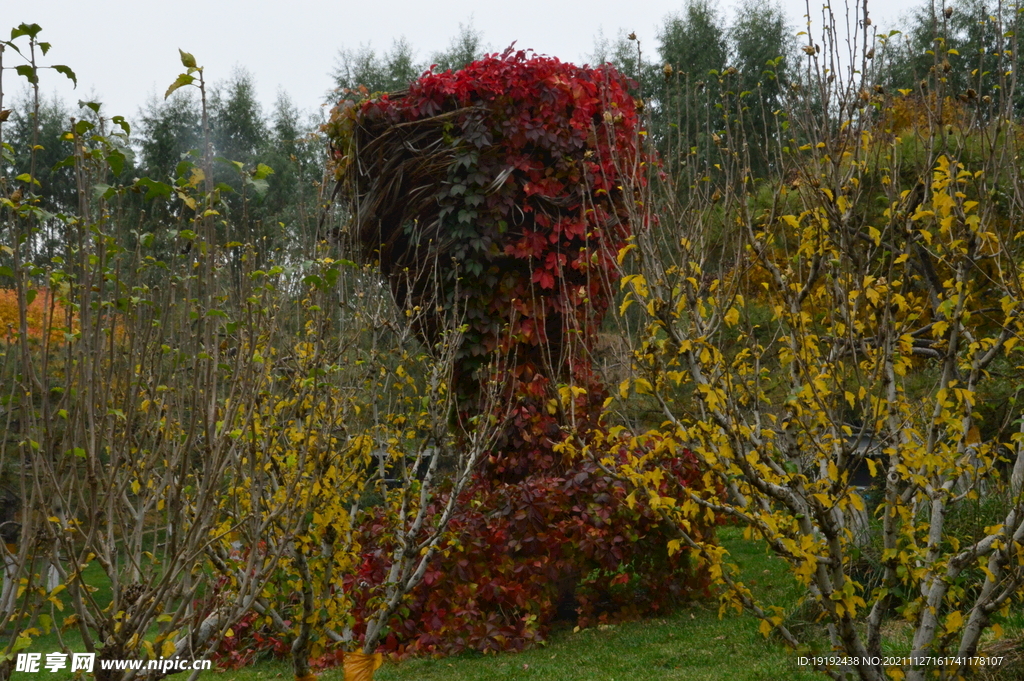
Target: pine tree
387, 72
466, 47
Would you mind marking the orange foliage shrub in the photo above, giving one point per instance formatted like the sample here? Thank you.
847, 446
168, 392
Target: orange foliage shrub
43, 314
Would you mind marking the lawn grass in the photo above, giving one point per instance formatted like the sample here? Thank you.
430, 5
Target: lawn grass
691, 644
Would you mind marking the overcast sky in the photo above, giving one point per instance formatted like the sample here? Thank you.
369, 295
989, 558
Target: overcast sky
126, 52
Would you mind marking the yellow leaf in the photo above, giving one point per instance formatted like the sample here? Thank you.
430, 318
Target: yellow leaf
624, 250
765, 628
954, 621
732, 317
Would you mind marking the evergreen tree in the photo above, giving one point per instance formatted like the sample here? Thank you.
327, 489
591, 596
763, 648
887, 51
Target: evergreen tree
239, 137
45, 130
168, 131
296, 155
687, 113
387, 72
464, 49
239, 130
56, 184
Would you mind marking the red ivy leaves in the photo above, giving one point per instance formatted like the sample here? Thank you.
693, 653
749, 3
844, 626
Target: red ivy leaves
538, 145
532, 207
522, 554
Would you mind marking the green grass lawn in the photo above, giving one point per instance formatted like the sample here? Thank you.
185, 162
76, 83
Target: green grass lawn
691, 644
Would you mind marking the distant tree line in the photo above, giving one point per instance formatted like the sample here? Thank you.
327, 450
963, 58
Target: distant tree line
699, 64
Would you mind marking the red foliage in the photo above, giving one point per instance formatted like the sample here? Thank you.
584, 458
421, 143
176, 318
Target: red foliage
531, 206
530, 203
523, 554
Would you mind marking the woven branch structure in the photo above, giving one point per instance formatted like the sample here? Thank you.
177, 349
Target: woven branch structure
496, 193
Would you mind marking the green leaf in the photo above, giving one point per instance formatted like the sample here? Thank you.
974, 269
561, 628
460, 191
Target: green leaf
31, 30
181, 170
116, 162
22, 643
28, 72
66, 163
260, 187
103, 191
187, 60
66, 70
153, 188
119, 120
30, 296
45, 47
95, 106
262, 171
237, 165
183, 80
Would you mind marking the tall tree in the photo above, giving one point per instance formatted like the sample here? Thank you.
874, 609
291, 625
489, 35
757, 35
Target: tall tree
42, 129
239, 130
53, 118
240, 136
763, 55
466, 47
694, 52
296, 155
168, 131
695, 42
969, 45
624, 54
386, 72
